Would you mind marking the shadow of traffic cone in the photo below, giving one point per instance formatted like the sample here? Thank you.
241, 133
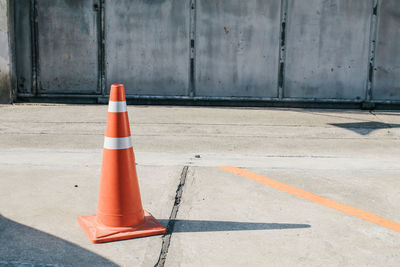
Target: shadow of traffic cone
119, 212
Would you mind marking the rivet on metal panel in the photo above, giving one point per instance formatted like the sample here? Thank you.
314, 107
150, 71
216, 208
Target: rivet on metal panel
96, 7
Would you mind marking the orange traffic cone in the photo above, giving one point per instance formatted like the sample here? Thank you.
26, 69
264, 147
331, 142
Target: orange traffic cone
119, 213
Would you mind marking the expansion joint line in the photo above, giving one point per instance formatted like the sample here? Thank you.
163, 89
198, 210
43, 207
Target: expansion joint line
171, 222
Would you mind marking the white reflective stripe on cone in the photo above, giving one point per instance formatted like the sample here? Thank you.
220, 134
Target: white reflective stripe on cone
117, 106
117, 142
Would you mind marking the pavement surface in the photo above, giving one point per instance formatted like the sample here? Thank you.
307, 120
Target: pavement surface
50, 159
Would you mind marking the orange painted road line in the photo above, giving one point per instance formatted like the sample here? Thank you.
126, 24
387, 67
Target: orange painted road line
364, 215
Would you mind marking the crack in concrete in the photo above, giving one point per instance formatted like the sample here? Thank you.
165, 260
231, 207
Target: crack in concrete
171, 222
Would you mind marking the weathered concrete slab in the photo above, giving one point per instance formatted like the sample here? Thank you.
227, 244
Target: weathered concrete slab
317, 32
237, 48
387, 59
147, 46
208, 130
223, 219
227, 220
50, 189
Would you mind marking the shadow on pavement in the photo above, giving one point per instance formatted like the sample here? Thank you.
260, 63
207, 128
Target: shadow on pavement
188, 226
21, 245
365, 128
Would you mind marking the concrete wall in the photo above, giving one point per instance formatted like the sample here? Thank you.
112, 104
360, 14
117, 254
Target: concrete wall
336, 51
5, 54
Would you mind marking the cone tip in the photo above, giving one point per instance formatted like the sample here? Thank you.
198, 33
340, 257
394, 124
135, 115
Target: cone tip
117, 92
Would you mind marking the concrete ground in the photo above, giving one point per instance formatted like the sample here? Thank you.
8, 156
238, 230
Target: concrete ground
50, 157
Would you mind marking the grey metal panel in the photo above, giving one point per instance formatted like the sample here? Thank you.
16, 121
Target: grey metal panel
237, 48
67, 46
327, 48
23, 48
387, 59
147, 46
